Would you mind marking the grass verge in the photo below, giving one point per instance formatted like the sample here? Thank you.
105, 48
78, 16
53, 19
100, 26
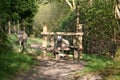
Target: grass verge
12, 63
94, 63
112, 72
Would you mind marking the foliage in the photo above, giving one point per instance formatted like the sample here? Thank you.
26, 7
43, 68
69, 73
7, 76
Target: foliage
101, 32
68, 23
3, 40
99, 26
97, 36
13, 10
50, 14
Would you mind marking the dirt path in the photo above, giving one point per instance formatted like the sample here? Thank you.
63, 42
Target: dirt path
52, 70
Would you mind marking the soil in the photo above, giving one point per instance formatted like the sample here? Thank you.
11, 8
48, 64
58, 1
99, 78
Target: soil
53, 70
49, 69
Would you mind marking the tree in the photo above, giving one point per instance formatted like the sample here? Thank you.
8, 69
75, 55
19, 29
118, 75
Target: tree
13, 10
100, 26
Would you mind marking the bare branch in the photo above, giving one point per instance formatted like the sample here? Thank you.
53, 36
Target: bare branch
74, 6
70, 5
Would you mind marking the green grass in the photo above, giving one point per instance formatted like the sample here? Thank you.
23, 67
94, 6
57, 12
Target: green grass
112, 72
108, 68
12, 62
94, 63
34, 40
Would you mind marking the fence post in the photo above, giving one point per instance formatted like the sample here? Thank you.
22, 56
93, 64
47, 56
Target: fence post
14, 27
44, 44
80, 46
52, 41
75, 50
75, 41
18, 26
79, 43
9, 27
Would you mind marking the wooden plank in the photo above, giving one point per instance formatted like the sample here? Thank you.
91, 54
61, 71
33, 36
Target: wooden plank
63, 33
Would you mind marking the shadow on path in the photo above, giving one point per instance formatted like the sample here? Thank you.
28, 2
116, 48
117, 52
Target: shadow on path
53, 70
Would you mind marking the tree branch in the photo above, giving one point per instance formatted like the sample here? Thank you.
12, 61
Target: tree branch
74, 6
70, 5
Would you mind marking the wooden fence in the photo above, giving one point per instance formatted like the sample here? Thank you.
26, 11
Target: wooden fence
77, 41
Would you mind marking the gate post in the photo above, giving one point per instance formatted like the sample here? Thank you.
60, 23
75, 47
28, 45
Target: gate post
80, 46
44, 44
75, 49
18, 26
9, 27
52, 41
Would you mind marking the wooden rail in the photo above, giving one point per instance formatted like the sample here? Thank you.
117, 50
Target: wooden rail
63, 33
77, 41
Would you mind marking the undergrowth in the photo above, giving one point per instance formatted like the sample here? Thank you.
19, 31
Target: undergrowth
112, 72
12, 62
93, 63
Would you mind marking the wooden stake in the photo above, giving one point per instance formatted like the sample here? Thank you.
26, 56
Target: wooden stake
14, 27
44, 45
52, 41
9, 29
18, 26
